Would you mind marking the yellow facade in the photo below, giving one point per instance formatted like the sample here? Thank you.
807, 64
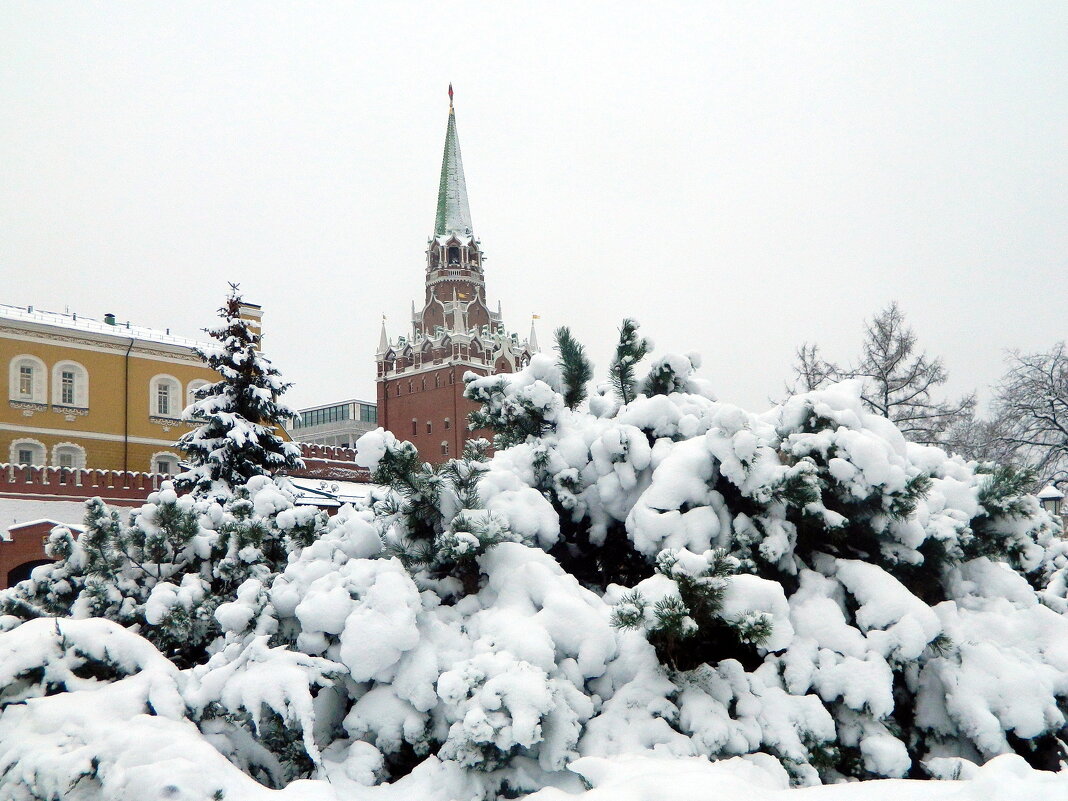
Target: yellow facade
83, 393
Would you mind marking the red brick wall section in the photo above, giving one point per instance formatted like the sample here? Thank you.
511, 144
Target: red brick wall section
432, 399
26, 545
330, 463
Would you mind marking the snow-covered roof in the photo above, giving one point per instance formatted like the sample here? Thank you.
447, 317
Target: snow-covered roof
453, 213
79, 322
1050, 493
329, 493
38, 521
18, 512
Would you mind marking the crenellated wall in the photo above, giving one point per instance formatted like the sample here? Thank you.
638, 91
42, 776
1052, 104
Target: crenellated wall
121, 488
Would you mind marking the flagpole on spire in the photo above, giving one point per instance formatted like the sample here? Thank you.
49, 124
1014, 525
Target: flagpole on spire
450, 97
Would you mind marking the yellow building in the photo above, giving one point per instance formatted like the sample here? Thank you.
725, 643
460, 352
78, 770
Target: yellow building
102, 395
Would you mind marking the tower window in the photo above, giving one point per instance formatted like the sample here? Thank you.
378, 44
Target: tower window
429, 427
415, 427
448, 423
454, 255
444, 449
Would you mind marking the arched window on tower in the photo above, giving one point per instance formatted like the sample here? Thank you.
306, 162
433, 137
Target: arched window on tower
429, 427
448, 423
445, 449
415, 426
454, 255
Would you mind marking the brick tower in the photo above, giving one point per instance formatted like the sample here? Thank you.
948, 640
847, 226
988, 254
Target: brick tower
420, 374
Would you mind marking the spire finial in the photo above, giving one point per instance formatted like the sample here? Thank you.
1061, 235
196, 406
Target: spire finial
383, 339
453, 214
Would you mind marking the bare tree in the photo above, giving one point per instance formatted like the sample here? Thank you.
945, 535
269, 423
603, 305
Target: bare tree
897, 380
812, 371
1031, 411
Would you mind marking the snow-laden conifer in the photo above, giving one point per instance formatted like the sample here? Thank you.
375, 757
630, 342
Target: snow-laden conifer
238, 415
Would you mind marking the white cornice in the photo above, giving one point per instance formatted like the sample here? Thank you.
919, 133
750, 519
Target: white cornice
155, 351
66, 432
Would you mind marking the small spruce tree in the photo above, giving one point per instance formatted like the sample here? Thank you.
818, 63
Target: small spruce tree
238, 415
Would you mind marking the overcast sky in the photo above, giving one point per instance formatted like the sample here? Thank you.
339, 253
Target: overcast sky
738, 177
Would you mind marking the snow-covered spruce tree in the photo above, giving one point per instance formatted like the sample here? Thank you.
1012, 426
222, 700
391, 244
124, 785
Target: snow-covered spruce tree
681, 611
167, 570
238, 414
515, 414
433, 519
821, 502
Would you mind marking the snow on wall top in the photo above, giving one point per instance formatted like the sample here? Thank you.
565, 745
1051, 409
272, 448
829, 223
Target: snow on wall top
453, 212
89, 324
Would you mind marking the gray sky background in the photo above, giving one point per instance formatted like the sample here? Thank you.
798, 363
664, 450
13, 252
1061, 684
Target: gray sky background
740, 178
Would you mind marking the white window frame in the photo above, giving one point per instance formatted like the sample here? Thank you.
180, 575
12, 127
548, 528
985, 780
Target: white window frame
169, 455
76, 451
32, 444
80, 394
174, 386
39, 390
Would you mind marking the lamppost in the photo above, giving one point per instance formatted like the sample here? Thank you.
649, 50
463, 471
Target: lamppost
1051, 499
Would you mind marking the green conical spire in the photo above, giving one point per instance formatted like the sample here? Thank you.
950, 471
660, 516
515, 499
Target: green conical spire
453, 214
